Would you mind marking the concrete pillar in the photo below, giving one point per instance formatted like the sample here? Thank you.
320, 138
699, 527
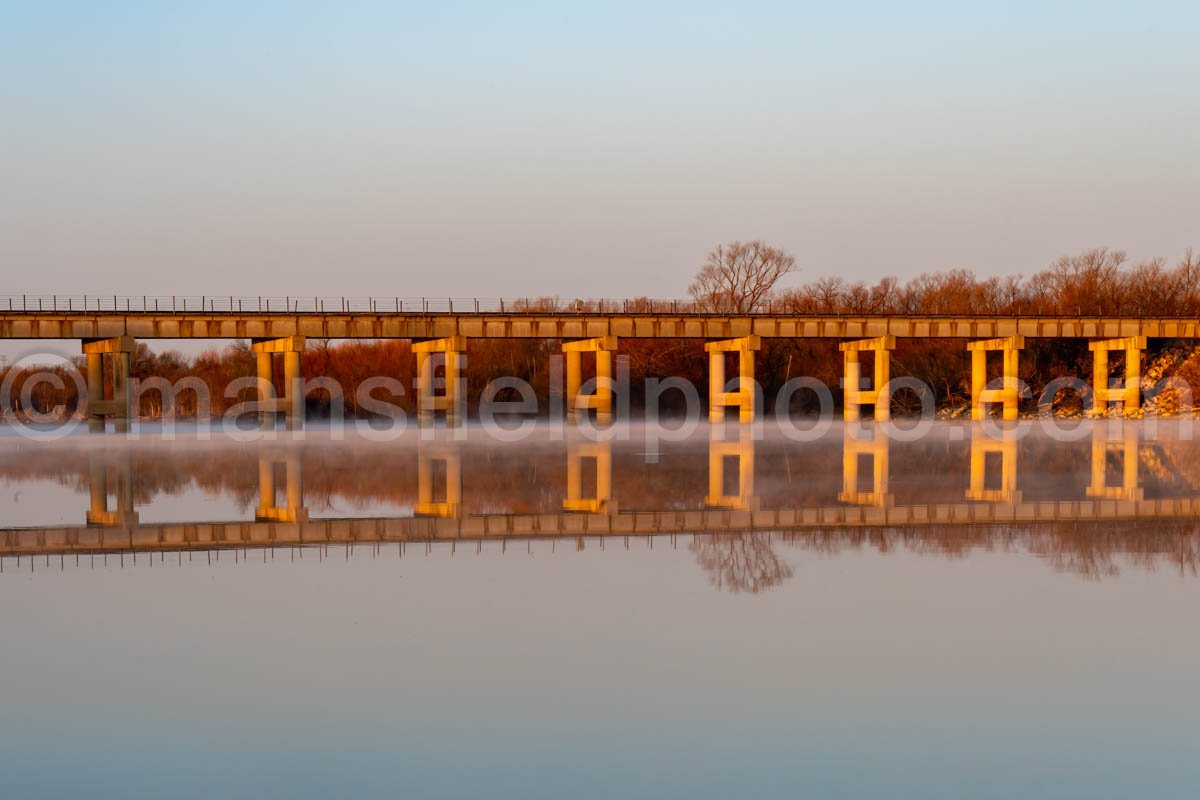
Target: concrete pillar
95, 390
1007, 395
745, 397
854, 447
122, 362
429, 402
1129, 394
293, 385
716, 386
270, 404
601, 502
428, 457
601, 400
854, 396
720, 452
266, 390
1004, 490
1126, 444
119, 350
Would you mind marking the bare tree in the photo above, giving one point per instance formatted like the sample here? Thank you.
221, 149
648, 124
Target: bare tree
738, 277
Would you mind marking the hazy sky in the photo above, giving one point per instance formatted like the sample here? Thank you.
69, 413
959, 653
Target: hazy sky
499, 150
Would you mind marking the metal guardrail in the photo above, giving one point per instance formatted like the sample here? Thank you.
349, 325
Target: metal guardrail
263, 304
232, 304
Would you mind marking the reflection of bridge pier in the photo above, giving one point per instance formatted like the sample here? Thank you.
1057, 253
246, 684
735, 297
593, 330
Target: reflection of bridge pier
120, 484
721, 454
600, 454
293, 509
855, 446
439, 467
993, 482
1124, 445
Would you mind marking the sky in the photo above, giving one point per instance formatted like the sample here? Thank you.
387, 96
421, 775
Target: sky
586, 150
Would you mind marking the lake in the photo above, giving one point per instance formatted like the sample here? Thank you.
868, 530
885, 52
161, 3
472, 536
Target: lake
964, 611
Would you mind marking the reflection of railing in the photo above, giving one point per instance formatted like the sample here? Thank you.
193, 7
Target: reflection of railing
192, 535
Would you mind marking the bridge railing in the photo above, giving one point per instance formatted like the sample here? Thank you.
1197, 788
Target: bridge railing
233, 304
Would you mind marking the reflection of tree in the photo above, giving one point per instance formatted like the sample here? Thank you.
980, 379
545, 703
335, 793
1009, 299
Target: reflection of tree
740, 562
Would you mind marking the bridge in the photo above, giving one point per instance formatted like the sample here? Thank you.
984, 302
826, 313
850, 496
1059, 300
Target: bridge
109, 327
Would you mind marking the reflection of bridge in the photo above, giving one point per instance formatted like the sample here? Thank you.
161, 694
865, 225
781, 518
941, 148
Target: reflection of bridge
109, 327
590, 507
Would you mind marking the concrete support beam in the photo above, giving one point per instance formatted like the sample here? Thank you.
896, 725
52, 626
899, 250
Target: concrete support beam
601, 500
745, 396
1004, 449
269, 509
1129, 393
853, 450
1007, 394
119, 351
429, 402
721, 455
601, 400
1124, 445
853, 393
270, 405
447, 502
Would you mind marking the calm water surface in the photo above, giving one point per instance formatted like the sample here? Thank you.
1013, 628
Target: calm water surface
971, 614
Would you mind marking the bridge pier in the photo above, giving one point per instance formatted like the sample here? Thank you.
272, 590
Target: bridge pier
453, 349
982, 448
853, 449
745, 396
854, 396
602, 501
291, 405
1129, 395
119, 351
601, 400
268, 509
1009, 347
720, 454
429, 457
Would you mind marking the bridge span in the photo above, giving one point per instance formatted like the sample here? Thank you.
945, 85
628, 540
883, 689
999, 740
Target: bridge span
109, 328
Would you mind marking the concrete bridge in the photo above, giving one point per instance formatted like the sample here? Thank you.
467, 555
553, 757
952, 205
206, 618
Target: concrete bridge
109, 327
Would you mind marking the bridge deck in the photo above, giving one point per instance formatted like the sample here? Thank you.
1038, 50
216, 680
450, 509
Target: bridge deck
564, 325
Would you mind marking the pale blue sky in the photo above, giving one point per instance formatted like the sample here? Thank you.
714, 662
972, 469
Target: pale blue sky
470, 148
